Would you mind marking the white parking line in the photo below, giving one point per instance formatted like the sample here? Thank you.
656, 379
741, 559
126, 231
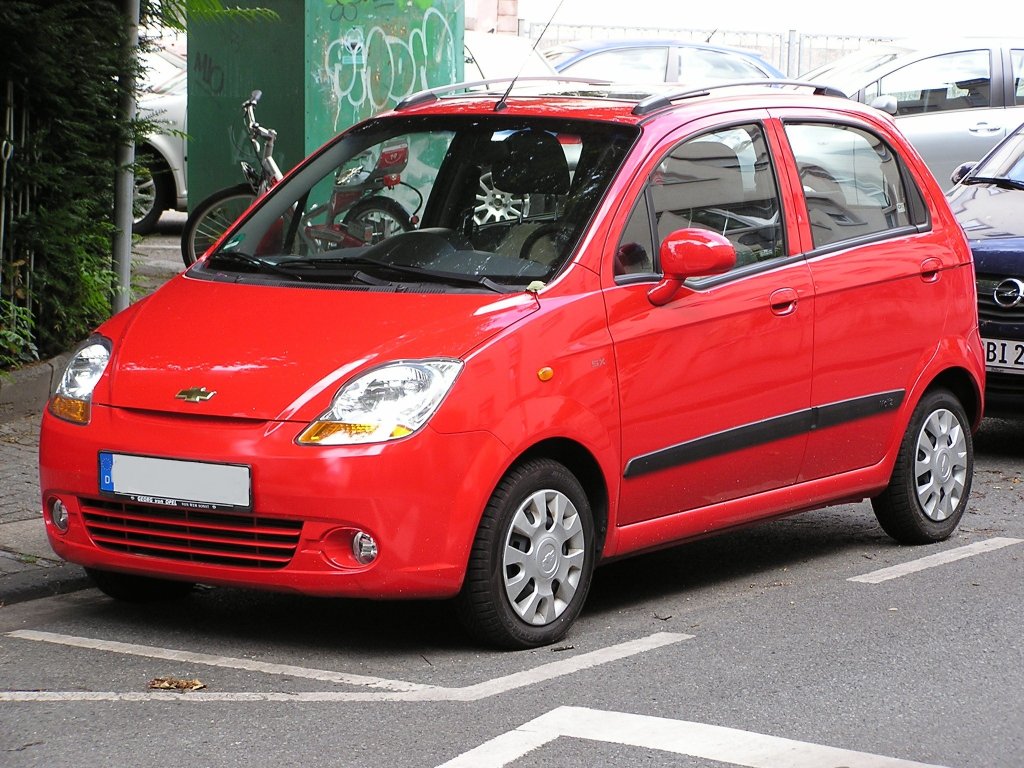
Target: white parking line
708, 742
395, 690
931, 561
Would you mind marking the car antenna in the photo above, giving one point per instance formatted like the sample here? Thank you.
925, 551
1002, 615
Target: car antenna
502, 101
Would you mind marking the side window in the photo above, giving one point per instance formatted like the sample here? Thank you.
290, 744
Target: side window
960, 80
1017, 59
723, 182
852, 182
630, 65
698, 64
635, 252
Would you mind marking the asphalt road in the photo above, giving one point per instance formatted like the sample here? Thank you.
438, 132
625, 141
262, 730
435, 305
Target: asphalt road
785, 645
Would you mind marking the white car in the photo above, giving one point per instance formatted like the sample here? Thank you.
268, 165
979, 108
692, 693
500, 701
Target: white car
160, 176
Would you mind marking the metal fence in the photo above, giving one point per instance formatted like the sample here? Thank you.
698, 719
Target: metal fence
16, 199
792, 52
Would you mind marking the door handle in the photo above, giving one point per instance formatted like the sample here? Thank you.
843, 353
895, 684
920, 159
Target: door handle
783, 301
985, 128
930, 269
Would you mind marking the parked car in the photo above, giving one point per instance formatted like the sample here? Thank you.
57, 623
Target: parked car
707, 322
988, 200
953, 100
639, 60
160, 177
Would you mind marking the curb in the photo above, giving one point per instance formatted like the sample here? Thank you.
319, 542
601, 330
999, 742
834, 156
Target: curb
43, 582
24, 391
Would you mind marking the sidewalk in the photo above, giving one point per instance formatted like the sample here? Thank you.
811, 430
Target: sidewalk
28, 567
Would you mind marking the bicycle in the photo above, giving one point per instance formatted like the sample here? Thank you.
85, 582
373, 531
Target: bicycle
355, 214
211, 218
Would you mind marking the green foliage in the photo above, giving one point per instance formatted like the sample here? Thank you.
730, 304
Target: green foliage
175, 13
59, 68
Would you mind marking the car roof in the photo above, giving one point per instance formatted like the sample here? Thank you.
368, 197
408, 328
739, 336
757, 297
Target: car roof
600, 44
621, 103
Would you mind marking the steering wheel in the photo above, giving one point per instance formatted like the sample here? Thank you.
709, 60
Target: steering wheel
554, 231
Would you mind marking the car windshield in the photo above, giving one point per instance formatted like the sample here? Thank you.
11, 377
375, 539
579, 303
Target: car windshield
432, 203
1004, 163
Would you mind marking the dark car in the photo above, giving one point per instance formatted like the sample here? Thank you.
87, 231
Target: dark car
656, 60
988, 200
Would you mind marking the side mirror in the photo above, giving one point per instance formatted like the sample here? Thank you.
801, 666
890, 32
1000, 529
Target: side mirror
961, 171
885, 103
689, 253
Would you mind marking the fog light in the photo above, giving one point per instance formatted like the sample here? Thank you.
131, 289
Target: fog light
364, 548
59, 515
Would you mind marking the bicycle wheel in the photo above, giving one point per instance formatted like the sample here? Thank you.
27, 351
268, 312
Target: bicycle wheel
211, 218
376, 218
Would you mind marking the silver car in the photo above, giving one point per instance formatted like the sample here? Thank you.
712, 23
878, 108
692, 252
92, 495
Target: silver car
953, 100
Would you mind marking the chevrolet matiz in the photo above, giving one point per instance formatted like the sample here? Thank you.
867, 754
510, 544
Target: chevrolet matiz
699, 309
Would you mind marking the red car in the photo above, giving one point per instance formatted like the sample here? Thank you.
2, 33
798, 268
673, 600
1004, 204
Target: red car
710, 308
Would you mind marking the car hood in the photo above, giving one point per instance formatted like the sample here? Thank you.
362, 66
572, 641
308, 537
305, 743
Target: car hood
280, 353
987, 211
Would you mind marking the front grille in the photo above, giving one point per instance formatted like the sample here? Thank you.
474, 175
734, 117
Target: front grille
197, 536
987, 307
1005, 385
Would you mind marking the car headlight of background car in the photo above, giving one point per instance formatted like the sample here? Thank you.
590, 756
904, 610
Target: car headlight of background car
387, 403
72, 399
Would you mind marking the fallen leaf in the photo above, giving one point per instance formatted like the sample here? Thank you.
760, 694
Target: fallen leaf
175, 684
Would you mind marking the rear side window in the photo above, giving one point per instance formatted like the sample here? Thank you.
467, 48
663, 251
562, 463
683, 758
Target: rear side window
853, 183
1017, 58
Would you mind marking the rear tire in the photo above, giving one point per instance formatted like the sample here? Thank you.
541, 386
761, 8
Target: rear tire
211, 219
532, 560
931, 482
138, 589
378, 217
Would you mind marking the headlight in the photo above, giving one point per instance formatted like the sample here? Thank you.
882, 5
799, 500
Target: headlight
72, 400
387, 403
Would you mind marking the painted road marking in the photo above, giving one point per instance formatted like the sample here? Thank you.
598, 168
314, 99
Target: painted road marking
708, 742
931, 561
394, 690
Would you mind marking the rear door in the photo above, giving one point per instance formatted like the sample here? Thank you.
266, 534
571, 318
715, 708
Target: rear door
881, 285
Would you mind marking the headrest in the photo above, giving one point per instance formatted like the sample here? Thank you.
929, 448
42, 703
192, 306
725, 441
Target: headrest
534, 163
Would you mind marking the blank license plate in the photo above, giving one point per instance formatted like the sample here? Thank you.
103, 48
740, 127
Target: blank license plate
1004, 355
175, 482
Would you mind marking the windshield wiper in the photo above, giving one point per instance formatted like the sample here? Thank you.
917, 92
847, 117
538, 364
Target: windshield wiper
237, 257
420, 272
998, 181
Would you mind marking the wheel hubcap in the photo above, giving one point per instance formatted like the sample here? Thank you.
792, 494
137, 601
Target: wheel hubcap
940, 470
543, 557
494, 205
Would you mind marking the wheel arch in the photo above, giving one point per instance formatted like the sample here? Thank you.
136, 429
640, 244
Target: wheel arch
584, 465
962, 384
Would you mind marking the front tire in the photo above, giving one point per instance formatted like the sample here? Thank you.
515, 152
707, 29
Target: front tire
138, 589
211, 218
931, 482
532, 560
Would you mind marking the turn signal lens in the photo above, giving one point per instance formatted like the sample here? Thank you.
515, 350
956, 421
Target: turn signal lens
385, 403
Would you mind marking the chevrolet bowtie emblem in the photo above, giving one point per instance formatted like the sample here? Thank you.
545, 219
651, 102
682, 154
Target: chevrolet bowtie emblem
195, 394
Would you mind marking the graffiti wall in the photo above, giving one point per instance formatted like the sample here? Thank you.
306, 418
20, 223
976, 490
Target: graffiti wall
323, 66
367, 55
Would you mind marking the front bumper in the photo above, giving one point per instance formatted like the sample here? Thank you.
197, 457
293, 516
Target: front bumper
420, 498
